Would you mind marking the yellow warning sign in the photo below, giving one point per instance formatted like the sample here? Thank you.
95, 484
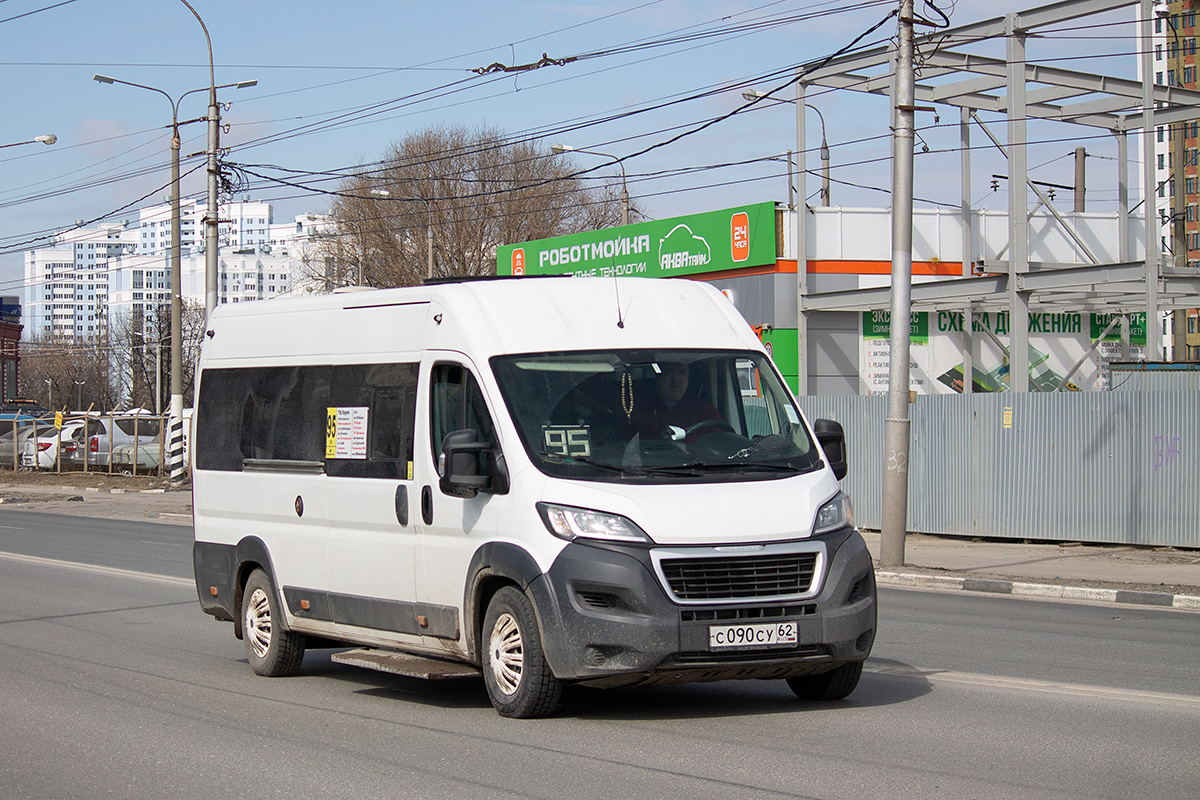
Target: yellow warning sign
58, 419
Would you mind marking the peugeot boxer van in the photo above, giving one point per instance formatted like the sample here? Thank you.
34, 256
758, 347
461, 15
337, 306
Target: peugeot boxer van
540, 480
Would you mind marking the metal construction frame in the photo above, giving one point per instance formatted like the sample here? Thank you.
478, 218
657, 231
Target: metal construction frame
950, 75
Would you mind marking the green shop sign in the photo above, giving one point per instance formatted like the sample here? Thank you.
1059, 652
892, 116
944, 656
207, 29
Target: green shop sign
666, 248
1137, 328
878, 325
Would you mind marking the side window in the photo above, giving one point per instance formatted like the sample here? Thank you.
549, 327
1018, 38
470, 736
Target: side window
147, 428
760, 416
283, 415
455, 403
273, 413
383, 396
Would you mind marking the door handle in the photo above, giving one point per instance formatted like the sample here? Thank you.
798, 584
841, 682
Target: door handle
402, 504
427, 504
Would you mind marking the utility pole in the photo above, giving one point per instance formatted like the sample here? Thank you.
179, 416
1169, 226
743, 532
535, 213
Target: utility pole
1080, 179
175, 451
896, 426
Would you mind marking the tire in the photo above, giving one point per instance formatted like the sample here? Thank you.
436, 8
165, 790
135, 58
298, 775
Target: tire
518, 679
271, 651
836, 684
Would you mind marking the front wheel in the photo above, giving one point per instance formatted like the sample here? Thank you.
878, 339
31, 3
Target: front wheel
836, 684
272, 651
518, 679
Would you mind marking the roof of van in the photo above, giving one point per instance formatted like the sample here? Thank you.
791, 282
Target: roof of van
484, 318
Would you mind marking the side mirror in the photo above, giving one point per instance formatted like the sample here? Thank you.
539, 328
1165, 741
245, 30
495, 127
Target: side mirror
833, 442
459, 470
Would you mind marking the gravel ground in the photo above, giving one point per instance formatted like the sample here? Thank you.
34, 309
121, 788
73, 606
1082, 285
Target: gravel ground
92, 479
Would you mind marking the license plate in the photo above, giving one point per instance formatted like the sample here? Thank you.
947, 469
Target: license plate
769, 634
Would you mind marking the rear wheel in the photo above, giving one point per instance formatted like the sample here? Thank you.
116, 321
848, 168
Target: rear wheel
519, 681
271, 650
836, 684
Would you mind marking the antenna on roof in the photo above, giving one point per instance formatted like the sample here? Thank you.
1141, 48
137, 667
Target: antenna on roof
617, 292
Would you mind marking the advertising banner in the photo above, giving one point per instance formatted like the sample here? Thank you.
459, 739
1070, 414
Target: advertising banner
666, 248
1057, 342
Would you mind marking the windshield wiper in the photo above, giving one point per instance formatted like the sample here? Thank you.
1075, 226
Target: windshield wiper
591, 462
698, 467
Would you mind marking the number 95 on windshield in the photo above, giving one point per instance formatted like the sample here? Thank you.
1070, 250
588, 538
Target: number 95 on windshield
568, 441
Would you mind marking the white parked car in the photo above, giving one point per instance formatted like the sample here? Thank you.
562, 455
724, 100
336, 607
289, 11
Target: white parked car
27, 428
106, 434
143, 457
42, 452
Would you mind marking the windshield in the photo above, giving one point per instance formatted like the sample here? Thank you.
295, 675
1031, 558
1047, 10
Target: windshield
655, 415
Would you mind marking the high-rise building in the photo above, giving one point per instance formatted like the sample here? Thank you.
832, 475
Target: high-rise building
66, 286
1176, 152
91, 276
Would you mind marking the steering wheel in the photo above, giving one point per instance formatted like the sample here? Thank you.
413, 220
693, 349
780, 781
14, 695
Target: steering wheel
702, 427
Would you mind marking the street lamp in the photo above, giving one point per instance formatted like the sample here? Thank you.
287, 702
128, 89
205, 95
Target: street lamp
566, 148
79, 394
176, 452
428, 228
48, 139
753, 94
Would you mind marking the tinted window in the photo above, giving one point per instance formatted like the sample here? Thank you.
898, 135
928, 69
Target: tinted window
388, 393
275, 413
142, 427
283, 413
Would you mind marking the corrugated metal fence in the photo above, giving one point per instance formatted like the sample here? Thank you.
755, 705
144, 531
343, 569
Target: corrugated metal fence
1113, 467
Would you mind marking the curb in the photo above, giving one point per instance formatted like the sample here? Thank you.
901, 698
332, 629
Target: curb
1186, 602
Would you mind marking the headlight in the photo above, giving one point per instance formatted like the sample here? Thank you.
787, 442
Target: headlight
837, 513
570, 523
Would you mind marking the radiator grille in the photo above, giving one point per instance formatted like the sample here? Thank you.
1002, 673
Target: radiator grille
740, 577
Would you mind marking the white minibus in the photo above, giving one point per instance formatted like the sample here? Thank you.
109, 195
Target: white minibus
541, 480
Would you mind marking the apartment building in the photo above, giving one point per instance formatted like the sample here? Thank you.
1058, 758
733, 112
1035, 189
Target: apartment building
90, 276
1177, 150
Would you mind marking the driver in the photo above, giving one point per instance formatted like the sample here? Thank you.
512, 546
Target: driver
670, 406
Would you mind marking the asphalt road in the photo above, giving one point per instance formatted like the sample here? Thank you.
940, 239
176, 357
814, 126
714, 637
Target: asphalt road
115, 684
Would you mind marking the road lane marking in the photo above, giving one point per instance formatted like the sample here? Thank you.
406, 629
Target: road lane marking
1046, 687
96, 569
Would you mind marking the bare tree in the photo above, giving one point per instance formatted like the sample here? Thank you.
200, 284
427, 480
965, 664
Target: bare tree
141, 354
64, 372
463, 192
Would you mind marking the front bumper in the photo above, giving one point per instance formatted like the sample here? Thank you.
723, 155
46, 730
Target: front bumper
607, 620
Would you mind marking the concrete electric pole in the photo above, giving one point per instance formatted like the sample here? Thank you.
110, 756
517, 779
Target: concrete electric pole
896, 427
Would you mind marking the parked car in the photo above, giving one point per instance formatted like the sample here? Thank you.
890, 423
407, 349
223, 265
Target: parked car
42, 452
105, 434
144, 457
27, 428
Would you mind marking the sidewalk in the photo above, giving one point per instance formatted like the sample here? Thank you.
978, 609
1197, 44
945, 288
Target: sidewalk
172, 506
1107, 573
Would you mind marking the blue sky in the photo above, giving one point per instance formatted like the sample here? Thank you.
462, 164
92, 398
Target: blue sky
339, 82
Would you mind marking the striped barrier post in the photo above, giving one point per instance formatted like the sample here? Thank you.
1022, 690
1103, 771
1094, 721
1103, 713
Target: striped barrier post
175, 441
